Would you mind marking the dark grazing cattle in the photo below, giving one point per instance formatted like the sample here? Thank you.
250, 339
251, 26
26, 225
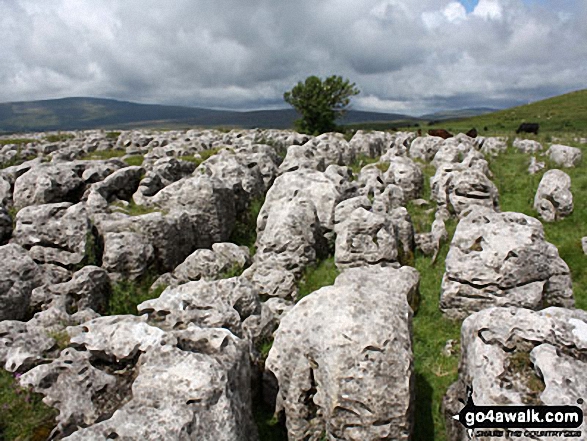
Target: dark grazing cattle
472, 133
444, 134
528, 128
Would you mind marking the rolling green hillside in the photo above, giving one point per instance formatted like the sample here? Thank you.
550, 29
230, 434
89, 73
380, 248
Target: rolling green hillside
564, 113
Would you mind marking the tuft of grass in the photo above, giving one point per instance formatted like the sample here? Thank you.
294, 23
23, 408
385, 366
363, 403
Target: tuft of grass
16, 141
244, 232
204, 154
59, 137
112, 135
23, 416
361, 161
133, 209
268, 425
234, 271
61, 339
323, 273
128, 294
135, 160
104, 154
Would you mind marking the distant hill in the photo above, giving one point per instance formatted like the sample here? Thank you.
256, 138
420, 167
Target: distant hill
563, 113
91, 113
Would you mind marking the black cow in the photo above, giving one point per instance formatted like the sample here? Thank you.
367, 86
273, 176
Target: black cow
528, 128
472, 133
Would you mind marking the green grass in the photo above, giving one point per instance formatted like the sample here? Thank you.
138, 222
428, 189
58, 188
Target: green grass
204, 154
323, 273
127, 294
16, 141
104, 154
59, 137
363, 160
244, 232
517, 189
133, 209
135, 160
23, 416
434, 371
561, 114
112, 135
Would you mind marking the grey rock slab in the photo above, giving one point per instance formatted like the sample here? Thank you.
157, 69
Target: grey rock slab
53, 233
221, 303
47, 183
19, 275
502, 259
343, 367
365, 238
527, 145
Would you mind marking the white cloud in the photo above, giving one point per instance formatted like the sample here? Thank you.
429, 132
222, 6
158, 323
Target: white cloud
455, 12
489, 9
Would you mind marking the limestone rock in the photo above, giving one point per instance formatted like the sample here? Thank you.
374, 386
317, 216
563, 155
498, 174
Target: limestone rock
5, 225
290, 236
365, 238
272, 281
529, 358
169, 402
527, 145
89, 288
425, 148
221, 303
53, 233
343, 367
502, 259
47, 183
19, 275
494, 146
535, 166
313, 185
554, 199
405, 173
564, 156
127, 255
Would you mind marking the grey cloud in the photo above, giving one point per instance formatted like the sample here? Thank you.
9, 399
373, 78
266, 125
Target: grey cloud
235, 54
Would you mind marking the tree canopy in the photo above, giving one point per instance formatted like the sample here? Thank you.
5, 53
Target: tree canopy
320, 103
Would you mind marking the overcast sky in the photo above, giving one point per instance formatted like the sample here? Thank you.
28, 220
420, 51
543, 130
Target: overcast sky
407, 56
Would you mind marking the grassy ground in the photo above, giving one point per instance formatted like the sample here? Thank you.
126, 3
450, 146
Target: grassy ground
22, 414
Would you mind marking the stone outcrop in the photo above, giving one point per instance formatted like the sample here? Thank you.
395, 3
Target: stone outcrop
54, 233
527, 145
343, 367
502, 259
48, 183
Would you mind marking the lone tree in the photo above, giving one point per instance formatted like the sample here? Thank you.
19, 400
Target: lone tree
320, 102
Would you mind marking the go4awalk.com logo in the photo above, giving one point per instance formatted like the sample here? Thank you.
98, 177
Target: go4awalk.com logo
520, 421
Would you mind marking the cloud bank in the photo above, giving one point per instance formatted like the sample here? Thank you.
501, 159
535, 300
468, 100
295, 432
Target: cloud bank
408, 56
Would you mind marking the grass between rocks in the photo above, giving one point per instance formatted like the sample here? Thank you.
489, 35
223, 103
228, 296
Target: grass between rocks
104, 154
59, 137
23, 416
323, 273
203, 155
133, 209
244, 232
128, 294
134, 160
17, 141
